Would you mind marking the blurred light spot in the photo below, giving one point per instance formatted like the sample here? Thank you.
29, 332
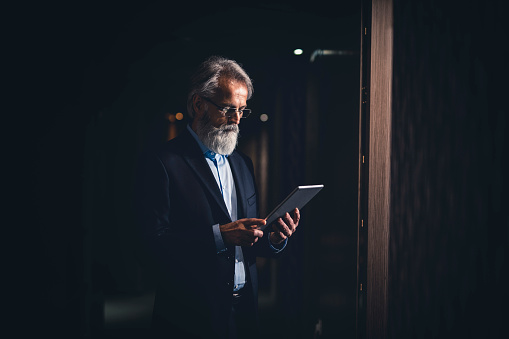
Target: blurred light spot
179, 116
171, 117
298, 51
264, 117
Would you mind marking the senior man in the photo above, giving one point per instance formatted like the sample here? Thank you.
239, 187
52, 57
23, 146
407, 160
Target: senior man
197, 205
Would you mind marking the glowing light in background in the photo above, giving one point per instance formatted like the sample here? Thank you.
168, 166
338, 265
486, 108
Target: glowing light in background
179, 116
172, 127
298, 51
264, 117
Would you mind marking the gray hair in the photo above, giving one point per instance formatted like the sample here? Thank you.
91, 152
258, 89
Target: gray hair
204, 81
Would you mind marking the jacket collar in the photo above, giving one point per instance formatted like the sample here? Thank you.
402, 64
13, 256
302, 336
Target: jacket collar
196, 161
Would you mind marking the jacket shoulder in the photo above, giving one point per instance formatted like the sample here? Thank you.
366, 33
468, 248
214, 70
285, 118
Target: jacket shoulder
180, 145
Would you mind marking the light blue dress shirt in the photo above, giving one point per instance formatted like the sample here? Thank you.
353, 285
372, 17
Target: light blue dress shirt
223, 175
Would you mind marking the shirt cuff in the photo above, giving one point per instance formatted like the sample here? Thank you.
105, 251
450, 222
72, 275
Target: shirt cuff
279, 247
218, 238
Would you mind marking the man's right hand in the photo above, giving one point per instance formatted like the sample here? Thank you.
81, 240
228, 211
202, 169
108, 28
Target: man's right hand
242, 232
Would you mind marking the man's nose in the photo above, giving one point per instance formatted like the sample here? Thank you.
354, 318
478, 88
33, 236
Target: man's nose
235, 118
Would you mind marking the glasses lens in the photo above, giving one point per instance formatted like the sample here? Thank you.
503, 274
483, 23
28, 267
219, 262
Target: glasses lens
245, 113
230, 112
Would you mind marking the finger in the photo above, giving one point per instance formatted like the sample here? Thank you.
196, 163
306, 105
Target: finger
252, 241
282, 227
296, 216
289, 222
254, 222
280, 235
258, 233
276, 227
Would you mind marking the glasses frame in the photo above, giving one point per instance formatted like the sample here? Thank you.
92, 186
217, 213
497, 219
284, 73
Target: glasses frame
224, 110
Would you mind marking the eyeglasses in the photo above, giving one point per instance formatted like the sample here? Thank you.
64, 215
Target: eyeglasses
230, 111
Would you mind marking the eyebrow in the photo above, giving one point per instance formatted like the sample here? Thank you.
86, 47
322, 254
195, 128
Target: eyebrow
230, 105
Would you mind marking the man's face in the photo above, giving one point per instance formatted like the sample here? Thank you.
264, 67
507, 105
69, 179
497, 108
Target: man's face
217, 132
231, 94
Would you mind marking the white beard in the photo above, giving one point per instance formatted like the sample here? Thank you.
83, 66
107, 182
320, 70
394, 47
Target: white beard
222, 140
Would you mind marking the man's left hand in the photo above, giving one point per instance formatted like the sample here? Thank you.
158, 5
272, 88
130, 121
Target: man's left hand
284, 227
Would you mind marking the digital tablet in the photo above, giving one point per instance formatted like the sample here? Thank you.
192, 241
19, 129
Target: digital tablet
297, 199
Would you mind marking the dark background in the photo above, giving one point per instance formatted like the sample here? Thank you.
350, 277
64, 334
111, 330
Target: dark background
97, 84
88, 81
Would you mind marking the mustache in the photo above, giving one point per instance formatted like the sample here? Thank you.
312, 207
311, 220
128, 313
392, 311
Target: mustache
205, 120
229, 128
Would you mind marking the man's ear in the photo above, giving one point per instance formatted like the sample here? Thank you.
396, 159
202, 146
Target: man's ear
198, 105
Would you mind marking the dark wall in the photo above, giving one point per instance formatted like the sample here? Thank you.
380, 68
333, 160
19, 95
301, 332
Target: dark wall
449, 231
332, 159
95, 78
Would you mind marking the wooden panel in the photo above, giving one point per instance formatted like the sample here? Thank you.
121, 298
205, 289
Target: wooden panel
379, 168
449, 230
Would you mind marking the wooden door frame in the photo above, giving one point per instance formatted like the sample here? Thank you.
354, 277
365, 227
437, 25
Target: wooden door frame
375, 121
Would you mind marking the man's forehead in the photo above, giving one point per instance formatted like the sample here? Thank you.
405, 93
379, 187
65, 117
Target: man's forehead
228, 87
226, 82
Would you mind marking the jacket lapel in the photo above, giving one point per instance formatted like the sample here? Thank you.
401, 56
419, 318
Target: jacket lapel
236, 164
197, 162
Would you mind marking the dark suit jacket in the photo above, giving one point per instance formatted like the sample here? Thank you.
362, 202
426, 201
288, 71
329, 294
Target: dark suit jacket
178, 202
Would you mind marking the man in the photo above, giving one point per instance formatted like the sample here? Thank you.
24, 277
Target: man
197, 205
